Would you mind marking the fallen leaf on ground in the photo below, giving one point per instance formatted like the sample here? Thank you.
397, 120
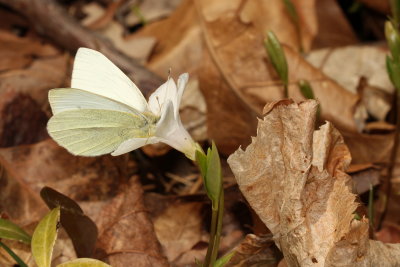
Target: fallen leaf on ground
255, 251
294, 178
23, 121
126, 233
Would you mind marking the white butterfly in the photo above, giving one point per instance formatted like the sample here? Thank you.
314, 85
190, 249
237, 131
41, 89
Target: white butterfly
104, 112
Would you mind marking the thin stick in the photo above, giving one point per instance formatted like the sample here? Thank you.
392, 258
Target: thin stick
51, 20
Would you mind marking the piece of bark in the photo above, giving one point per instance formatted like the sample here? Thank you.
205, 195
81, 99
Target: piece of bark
50, 19
295, 180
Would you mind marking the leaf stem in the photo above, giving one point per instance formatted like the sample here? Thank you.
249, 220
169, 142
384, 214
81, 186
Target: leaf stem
392, 162
285, 91
17, 259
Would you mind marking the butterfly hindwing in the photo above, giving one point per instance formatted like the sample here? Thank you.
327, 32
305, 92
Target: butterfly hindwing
92, 132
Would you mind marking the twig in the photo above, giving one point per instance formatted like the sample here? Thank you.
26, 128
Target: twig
51, 20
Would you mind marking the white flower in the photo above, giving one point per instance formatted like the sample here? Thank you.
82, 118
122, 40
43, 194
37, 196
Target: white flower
104, 112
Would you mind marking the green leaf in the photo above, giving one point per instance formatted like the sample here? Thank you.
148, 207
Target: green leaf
393, 40
224, 259
306, 90
201, 160
213, 177
393, 69
291, 10
84, 262
17, 259
44, 237
395, 7
277, 56
9, 230
79, 227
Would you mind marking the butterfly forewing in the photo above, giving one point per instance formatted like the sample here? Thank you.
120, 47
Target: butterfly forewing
95, 73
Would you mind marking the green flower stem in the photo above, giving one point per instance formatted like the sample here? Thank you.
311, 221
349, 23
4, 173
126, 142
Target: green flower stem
17, 259
217, 236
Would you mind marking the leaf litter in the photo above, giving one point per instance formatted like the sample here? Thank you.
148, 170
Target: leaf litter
220, 44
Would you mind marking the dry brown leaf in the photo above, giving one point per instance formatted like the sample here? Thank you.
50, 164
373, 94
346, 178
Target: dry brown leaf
179, 228
242, 71
333, 28
81, 178
43, 74
23, 121
364, 179
101, 187
255, 251
382, 6
18, 52
361, 61
151, 10
272, 15
295, 180
126, 234
100, 20
21, 205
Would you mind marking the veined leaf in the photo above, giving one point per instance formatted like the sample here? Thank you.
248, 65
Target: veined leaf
44, 237
9, 230
84, 262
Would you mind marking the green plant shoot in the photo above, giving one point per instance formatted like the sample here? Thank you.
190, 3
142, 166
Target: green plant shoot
9, 230
395, 7
278, 59
393, 60
210, 169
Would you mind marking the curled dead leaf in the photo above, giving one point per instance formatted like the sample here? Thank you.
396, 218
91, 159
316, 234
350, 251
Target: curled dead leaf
295, 180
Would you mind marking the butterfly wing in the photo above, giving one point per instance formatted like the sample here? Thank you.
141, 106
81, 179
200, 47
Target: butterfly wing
93, 132
95, 73
63, 99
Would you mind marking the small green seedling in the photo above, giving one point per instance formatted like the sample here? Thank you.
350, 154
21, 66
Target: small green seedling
278, 59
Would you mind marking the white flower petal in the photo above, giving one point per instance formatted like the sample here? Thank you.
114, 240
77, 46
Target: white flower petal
166, 92
182, 81
95, 73
171, 131
132, 144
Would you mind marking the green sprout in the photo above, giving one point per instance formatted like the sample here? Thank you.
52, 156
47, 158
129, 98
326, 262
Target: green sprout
210, 168
291, 9
395, 7
278, 59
